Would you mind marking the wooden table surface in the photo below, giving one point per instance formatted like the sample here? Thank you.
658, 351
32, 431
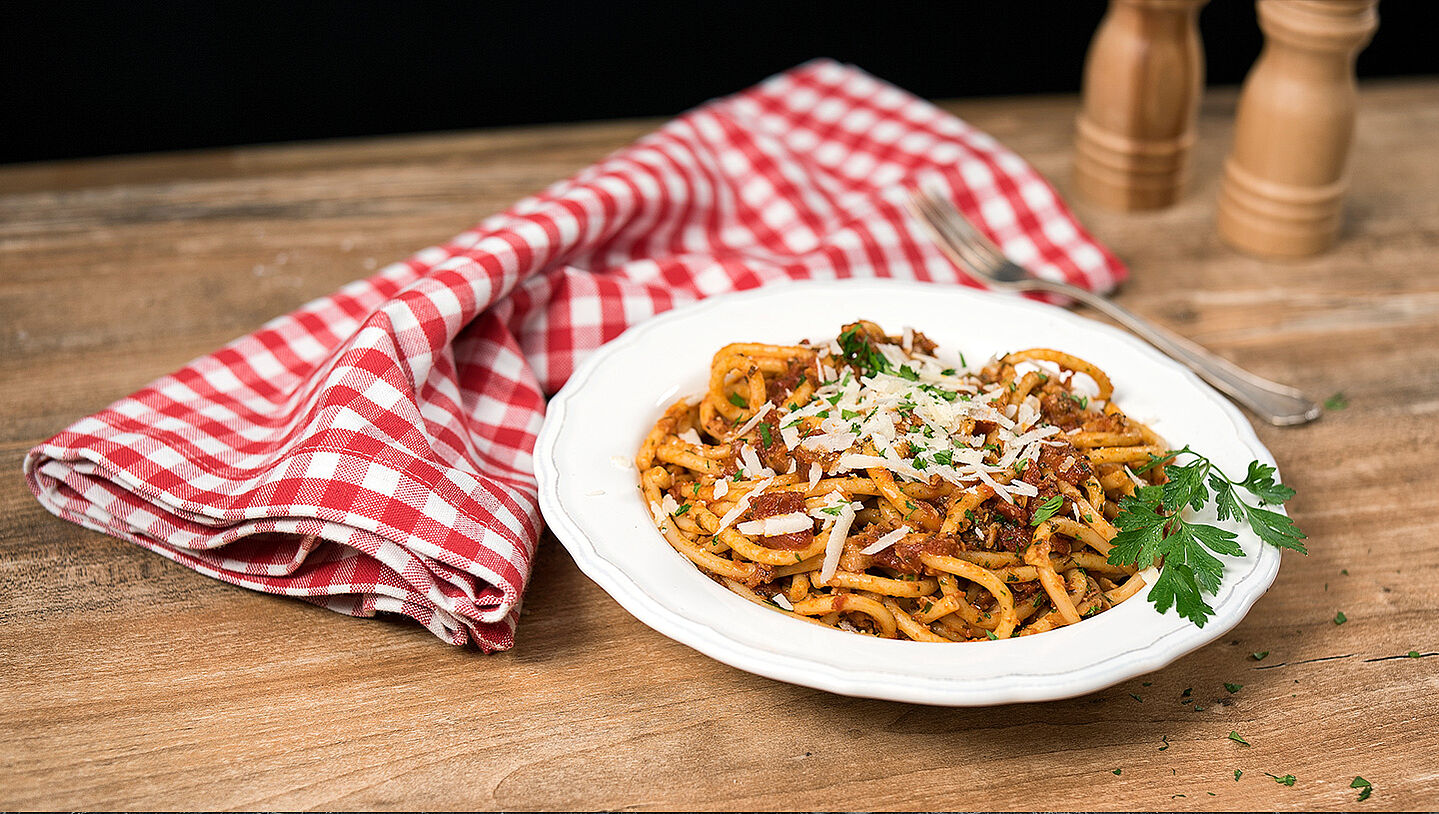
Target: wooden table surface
132, 682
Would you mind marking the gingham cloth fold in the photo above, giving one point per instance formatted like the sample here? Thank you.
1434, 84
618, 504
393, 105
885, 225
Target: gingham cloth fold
372, 450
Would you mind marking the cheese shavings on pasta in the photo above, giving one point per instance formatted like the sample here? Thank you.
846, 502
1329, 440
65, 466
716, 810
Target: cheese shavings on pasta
872, 484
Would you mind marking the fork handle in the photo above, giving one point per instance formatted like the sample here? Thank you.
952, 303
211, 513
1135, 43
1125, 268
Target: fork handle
1278, 404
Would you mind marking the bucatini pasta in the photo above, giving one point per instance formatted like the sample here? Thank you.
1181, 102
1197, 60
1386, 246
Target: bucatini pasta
864, 484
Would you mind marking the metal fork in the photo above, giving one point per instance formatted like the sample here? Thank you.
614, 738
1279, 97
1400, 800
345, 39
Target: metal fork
969, 248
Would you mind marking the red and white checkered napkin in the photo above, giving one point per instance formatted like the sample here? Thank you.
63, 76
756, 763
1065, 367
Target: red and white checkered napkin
372, 450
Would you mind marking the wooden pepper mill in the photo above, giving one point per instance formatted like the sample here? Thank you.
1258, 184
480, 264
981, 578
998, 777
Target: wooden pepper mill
1285, 176
1142, 81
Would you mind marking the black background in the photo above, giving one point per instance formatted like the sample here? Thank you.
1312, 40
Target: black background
82, 79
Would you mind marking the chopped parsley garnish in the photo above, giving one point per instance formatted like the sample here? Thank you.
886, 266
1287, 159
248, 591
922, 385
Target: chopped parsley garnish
962, 363
1338, 401
1165, 739
1259, 655
861, 353
1286, 780
1365, 787
737, 400
1046, 510
834, 510
939, 392
1082, 401
944, 457
1233, 688
1340, 618
681, 510
833, 400
949, 371
1187, 691
847, 415
991, 635
1137, 698
1413, 654
907, 372
1019, 466
764, 434
1235, 736
1117, 771
1237, 773
1151, 527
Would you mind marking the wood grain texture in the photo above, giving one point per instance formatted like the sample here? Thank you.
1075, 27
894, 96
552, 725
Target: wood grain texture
133, 683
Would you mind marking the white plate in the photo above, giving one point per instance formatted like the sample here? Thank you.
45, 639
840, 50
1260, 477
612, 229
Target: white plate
594, 507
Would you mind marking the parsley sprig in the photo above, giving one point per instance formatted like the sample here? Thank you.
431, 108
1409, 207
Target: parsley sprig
1151, 527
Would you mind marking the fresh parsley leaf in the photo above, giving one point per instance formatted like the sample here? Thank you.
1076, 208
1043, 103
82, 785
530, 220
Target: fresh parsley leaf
1046, 509
907, 372
1338, 401
1260, 482
949, 371
1366, 788
764, 434
1117, 771
681, 510
1152, 527
1237, 773
1259, 656
1082, 401
944, 457
1237, 738
1413, 654
1340, 618
1286, 780
737, 400
991, 635
1233, 688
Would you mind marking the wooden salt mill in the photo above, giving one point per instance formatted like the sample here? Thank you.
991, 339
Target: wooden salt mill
1285, 176
1142, 81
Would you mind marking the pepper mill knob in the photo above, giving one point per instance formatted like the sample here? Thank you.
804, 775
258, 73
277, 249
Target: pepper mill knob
1285, 177
1142, 80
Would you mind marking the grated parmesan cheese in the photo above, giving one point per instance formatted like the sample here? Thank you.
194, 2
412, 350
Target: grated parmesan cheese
834, 546
753, 420
886, 541
752, 465
777, 525
742, 504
